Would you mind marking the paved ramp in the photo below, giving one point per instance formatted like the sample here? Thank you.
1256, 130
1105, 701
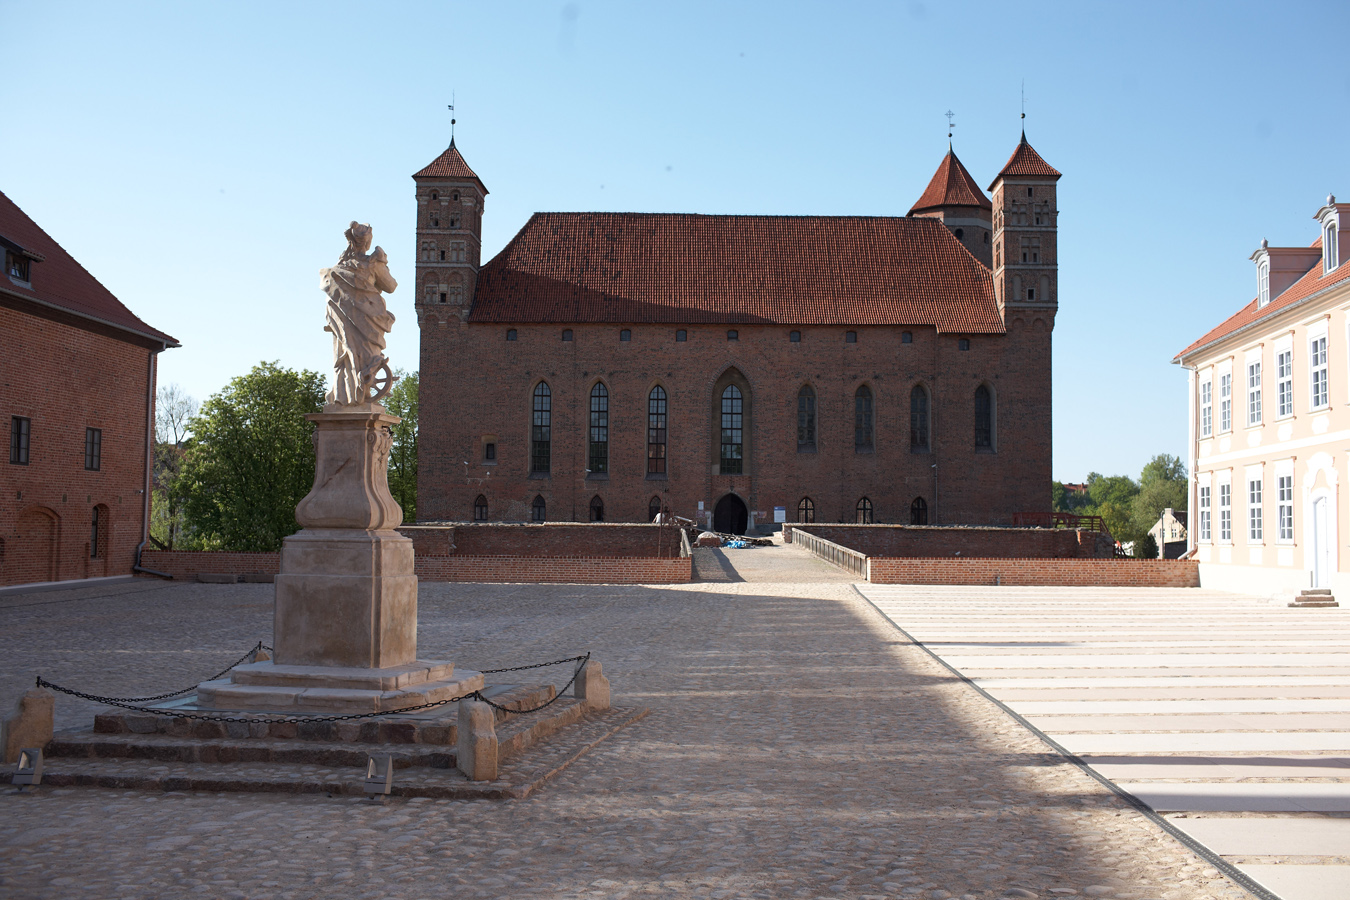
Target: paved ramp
779, 564
1228, 714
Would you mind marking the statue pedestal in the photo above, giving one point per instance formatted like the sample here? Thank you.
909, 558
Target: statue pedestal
346, 598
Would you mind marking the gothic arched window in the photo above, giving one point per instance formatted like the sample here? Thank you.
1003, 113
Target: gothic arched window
656, 431
862, 420
539, 510
733, 419
480, 508
806, 510
984, 418
653, 508
918, 512
864, 511
597, 509
918, 420
541, 437
598, 456
806, 420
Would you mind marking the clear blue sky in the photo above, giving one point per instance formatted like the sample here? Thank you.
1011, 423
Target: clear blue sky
202, 159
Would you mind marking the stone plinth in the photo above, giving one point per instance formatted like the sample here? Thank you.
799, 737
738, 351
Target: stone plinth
268, 687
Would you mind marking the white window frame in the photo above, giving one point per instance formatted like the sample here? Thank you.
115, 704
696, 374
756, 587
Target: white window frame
1255, 507
1284, 505
1207, 408
1318, 392
1331, 255
1225, 402
1262, 283
1225, 512
1204, 536
1254, 392
1284, 381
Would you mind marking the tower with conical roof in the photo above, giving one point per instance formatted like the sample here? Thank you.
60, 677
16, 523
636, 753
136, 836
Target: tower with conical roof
955, 198
1026, 255
449, 237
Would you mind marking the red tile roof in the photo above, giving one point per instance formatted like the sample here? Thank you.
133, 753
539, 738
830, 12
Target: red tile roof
683, 268
1025, 161
1311, 283
450, 165
951, 186
62, 282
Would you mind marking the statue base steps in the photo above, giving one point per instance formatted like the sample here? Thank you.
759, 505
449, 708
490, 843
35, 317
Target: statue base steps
339, 690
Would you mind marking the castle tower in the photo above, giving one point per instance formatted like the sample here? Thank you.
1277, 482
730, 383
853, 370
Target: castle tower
955, 198
449, 237
1026, 255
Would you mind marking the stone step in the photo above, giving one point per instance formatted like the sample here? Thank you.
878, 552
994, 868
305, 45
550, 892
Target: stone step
518, 776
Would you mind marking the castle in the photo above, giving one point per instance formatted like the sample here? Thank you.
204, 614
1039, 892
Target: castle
740, 369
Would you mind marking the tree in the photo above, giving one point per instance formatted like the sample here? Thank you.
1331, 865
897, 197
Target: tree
1146, 547
402, 402
1112, 498
173, 410
250, 460
1162, 485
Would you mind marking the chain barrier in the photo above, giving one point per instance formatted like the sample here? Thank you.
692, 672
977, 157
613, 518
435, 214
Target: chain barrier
130, 703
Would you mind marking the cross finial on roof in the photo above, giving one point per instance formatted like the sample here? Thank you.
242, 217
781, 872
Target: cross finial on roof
950, 126
451, 107
1024, 110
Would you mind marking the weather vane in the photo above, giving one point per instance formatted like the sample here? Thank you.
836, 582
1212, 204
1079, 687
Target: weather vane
950, 126
451, 107
1024, 107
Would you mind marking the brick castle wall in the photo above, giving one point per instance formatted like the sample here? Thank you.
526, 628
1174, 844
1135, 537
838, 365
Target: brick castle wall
918, 541
1174, 573
66, 378
550, 540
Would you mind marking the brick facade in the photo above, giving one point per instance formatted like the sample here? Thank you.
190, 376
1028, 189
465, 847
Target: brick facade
1174, 573
479, 368
73, 359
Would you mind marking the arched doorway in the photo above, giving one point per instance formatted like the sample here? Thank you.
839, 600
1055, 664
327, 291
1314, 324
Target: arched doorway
730, 515
34, 551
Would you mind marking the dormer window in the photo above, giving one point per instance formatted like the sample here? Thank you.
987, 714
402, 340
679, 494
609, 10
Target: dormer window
1262, 283
18, 266
1331, 257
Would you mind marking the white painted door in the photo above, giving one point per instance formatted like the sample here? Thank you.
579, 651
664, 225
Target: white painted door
1320, 548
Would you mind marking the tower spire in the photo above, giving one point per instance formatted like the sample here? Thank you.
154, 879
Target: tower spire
1024, 110
950, 126
451, 107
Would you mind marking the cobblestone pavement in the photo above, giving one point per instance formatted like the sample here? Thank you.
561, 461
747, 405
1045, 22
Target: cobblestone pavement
798, 748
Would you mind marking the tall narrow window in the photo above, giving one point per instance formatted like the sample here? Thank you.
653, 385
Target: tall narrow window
598, 456
653, 508
918, 420
597, 509
732, 424
863, 438
656, 431
94, 534
1226, 402
480, 508
1318, 350
1204, 513
19, 430
1284, 499
538, 509
806, 420
1331, 257
806, 510
1206, 408
1255, 513
1225, 513
864, 511
1262, 284
1254, 393
918, 512
541, 432
93, 448
984, 418
1284, 382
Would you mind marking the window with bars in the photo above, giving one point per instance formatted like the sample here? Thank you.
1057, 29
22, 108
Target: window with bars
863, 436
918, 420
806, 420
1318, 351
1204, 513
480, 509
93, 448
864, 511
1255, 512
1225, 513
1254, 393
1284, 382
20, 428
1284, 506
1206, 408
733, 420
984, 418
656, 431
597, 457
806, 510
918, 512
97, 529
1226, 402
541, 438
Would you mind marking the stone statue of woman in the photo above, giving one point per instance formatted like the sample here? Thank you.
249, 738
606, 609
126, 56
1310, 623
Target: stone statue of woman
358, 320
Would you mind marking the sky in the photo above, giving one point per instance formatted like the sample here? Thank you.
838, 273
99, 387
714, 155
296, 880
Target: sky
202, 160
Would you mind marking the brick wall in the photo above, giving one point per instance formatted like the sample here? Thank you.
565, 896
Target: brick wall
559, 539
1038, 572
919, 541
569, 570
187, 564
66, 377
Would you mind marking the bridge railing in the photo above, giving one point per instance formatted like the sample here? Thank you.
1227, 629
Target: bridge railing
850, 561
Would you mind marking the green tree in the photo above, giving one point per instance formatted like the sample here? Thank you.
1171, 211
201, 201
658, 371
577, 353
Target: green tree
1162, 484
1112, 498
250, 460
1145, 547
402, 402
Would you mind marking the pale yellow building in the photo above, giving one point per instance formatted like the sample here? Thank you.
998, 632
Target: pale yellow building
1270, 426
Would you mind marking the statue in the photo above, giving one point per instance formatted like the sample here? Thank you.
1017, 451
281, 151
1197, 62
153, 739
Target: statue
359, 320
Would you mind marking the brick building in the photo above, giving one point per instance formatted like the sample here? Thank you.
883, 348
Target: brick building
77, 390
842, 368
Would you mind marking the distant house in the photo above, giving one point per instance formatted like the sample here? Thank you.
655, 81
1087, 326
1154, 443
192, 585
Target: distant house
1270, 423
77, 393
1170, 534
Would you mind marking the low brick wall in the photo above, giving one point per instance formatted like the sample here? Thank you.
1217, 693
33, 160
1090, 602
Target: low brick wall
931, 541
559, 570
552, 539
188, 564
1176, 573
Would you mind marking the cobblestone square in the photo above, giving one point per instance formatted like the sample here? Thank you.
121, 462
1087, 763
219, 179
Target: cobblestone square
798, 747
